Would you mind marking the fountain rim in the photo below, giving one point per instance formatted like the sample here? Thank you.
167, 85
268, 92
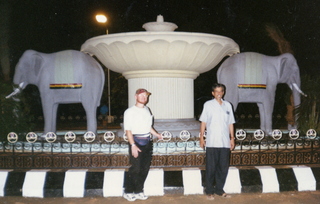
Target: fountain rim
104, 45
149, 36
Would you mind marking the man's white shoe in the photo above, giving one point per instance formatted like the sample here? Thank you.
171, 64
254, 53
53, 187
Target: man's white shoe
129, 196
141, 196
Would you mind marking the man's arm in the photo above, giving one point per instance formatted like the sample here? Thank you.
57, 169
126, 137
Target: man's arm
202, 130
154, 132
231, 130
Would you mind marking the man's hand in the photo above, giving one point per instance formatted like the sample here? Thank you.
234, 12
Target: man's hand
135, 151
202, 130
155, 133
159, 136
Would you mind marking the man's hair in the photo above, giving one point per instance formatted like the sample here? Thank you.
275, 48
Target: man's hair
218, 85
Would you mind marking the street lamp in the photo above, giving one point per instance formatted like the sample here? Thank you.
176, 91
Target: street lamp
103, 19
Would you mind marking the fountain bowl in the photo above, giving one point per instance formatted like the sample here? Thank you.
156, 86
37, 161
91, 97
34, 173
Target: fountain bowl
162, 53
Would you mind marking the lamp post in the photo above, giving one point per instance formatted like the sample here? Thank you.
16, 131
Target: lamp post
103, 19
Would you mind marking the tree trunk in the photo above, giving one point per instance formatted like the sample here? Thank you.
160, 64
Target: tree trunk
4, 38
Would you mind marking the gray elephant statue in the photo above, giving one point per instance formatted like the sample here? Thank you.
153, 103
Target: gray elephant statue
68, 76
253, 78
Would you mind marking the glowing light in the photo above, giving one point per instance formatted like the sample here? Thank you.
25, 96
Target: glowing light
101, 18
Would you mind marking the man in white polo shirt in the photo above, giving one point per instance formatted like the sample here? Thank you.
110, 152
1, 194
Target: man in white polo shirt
138, 127
218, 119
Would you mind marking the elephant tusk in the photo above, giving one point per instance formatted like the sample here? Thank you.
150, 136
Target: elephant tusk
298, 89
17, 90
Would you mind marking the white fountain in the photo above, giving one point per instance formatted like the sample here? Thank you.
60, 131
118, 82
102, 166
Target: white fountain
165, 63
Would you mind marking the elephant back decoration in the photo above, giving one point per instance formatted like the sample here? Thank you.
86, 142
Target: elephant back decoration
252, 78
63, 77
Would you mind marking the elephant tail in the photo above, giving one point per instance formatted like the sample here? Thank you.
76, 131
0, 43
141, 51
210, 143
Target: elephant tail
102, 83
227, 66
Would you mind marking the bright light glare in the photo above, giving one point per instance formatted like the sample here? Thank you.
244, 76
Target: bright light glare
101, 18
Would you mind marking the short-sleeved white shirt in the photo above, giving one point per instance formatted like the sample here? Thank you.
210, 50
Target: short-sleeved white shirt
217, 118
138, 120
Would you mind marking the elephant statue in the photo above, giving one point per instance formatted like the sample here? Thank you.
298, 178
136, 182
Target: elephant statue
63, 77
252, 78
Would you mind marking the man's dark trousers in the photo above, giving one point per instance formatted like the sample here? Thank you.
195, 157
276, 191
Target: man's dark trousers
139, 169
217, 166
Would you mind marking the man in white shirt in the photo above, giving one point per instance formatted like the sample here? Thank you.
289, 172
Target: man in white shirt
138, 127
218, 119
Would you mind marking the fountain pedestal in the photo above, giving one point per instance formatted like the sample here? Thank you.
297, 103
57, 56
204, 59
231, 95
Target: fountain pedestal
172, 96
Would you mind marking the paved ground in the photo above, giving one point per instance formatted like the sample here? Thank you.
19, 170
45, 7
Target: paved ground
312, 197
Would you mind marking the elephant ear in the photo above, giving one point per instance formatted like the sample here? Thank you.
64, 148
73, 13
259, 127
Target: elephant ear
286, 68
37, 61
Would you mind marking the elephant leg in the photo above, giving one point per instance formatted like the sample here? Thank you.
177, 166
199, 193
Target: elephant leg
262, 117
91, 112
49, 112
54, 117
265, 110
235, 105
268, 110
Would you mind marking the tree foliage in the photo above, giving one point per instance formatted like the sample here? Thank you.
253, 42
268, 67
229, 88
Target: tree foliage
309, 109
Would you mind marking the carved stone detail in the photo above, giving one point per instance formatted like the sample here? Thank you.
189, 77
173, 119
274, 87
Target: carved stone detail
237, 158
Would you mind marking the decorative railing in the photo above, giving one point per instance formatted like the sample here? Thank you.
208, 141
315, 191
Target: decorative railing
105, 150
244, 117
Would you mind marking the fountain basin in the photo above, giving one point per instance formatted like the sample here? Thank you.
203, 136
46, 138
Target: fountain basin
182, 54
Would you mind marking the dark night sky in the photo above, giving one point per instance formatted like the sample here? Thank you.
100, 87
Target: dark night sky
54, 25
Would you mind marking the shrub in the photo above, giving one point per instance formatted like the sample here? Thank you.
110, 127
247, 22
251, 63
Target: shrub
14, 115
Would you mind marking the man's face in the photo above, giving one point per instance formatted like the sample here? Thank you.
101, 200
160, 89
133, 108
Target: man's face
142, 98
218, 93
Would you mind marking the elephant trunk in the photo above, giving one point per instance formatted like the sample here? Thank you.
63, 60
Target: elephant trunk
296, 91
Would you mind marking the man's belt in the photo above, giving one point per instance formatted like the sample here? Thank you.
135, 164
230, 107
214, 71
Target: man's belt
142, 136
